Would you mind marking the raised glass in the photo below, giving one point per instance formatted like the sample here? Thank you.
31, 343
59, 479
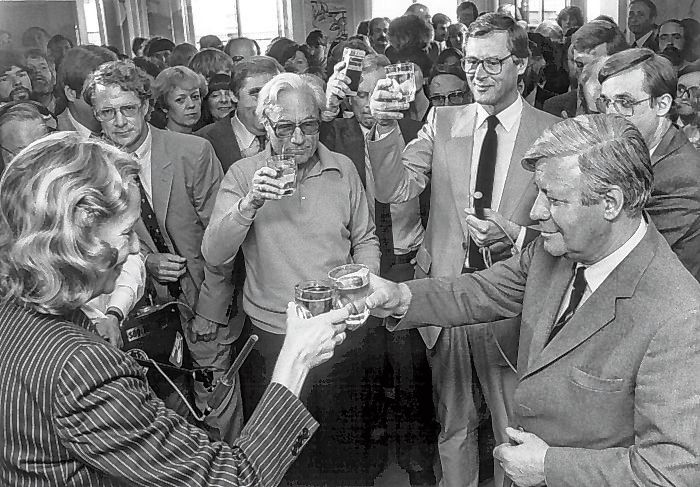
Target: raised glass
403, 80
352, 282
286, 168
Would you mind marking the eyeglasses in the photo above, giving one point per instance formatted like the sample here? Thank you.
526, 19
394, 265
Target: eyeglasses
689, 92
237, 59
491, 65
623, 106
452, 98
286, 128
107, 114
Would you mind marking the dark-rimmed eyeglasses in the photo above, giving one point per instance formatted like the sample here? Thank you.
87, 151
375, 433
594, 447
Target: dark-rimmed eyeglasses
452, 98
492, 65
689, 92
623, 106
107, 114
286, 128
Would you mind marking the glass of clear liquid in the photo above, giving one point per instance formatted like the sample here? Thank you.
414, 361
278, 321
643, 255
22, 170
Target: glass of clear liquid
403, 80
314, 297
352, 282
286, 168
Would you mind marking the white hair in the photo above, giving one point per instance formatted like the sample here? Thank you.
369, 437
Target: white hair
284, 83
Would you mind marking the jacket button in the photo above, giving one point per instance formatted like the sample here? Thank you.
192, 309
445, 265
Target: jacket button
305, 433
465, 245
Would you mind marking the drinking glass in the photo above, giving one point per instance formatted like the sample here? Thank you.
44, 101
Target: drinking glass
352, 282
314, 297
286, 168
403, 80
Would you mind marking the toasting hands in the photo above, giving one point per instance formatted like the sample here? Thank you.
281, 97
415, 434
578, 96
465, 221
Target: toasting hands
387, 298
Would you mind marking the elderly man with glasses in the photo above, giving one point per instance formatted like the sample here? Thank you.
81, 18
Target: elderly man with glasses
286, 239
641, 86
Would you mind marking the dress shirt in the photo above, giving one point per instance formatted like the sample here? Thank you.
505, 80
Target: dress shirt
406, 226
128, 290
597, 273
640, 42
247, 142
79, 127
143, 156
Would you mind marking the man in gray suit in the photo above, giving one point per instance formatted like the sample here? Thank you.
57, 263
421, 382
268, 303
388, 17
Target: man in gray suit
607, 393
179, 178
471, 155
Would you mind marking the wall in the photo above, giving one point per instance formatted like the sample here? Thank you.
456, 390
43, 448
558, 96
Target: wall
331, 16
56, 17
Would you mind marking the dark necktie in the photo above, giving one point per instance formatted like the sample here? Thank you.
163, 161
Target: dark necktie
484, 182
149, 219
577, 291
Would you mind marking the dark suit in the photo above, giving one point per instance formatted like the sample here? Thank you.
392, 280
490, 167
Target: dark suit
410, 372
223, 140
652, 42
185, 177
77, 411
565, 103
616, 393
675, 197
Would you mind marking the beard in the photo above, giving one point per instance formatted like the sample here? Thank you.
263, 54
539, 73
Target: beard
20, 93
41, 86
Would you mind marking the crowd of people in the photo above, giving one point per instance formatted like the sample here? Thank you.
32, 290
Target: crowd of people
530, 216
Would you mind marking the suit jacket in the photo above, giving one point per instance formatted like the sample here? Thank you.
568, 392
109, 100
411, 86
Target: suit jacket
442, 154
77, 411
675, 198
616, 393
566, 102
344, 135
223, 140
185, 175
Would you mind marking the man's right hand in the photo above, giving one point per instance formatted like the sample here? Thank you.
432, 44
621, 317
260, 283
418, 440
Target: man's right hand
385, 104
337, 88
387, 298
165, 268
265, 186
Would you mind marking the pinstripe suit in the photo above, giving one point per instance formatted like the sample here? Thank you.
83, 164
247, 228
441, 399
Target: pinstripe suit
78, 412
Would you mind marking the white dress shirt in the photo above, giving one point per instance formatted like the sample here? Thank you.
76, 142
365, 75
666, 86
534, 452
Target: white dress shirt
128, 289
143, 156
247, 141
640, 42
406, 226
597, 273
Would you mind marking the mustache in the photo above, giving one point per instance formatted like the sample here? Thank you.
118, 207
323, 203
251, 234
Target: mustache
20, 93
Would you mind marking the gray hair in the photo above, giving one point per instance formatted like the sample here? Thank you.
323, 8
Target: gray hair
288, 82
374, 62
610, 151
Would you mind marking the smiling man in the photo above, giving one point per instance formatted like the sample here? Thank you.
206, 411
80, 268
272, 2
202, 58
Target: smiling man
15, 83
466, 152
608, 314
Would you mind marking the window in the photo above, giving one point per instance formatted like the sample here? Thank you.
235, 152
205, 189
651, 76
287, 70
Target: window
393, 9
544, 10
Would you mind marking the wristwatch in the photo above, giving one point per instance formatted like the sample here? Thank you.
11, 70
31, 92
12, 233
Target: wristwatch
116, 312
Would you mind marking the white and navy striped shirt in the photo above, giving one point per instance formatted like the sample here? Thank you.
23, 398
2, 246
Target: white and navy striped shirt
78, 412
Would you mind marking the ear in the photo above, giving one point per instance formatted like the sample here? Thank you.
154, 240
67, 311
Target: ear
71, 94
234, 97
614, 201
521, 64
664, 104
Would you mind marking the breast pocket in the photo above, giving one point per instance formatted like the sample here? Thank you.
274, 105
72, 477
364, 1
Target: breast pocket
423, 262
595, 384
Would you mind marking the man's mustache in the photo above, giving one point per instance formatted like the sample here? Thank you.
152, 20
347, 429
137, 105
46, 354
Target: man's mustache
20, 93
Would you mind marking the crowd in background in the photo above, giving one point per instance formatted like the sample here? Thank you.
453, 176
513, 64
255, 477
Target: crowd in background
236, 269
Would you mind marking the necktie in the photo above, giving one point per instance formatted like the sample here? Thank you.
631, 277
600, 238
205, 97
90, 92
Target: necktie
484, 182
149, 219
577, 291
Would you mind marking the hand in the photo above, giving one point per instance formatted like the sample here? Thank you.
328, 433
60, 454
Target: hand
108, 328
387, 298
314, 339
486, 233
523, 463
165, 267
265, 186
202, 330
385, 104
337, 88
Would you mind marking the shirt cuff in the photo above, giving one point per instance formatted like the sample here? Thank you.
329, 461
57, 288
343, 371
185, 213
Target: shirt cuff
123, 299
238, 215
521, 239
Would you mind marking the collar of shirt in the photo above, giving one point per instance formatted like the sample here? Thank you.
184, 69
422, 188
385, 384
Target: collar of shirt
243, 136
323, 162
79, 127
598, 272
507, 118
640, 42
145, 148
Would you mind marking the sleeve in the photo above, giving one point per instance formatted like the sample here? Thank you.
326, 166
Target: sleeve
228, 226
107, 417
402, 172
363, 238
666, 422
129, 286
216, 291
482, 297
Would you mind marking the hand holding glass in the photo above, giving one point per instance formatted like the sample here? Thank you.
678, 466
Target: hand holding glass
352, 282
286, 168
403, 80
315, 297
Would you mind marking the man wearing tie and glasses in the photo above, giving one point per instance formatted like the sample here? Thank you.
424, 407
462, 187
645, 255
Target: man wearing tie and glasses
464, 151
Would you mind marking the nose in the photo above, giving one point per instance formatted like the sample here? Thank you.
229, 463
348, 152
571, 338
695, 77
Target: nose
189, 102
480, 71
119, 119
297, 136
540, 208
16, 81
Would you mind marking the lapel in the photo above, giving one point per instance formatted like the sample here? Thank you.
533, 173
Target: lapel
458, 155
161, 175
516, 180
596, 312
670, 142
353, 143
